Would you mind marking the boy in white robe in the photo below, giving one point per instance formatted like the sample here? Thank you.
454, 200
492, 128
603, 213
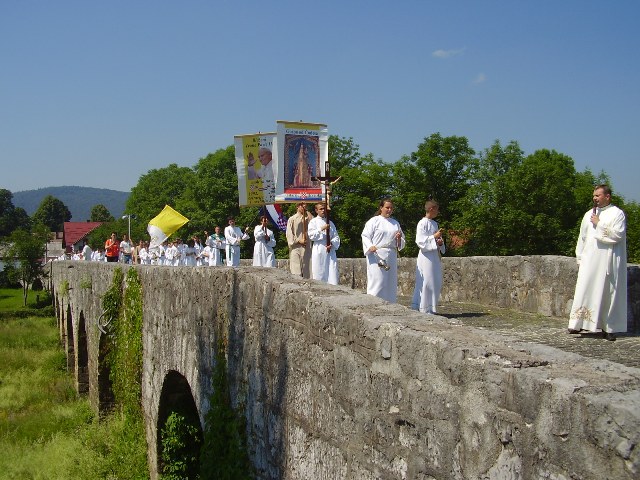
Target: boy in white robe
324, 263
428, 264
233, 236
263, 255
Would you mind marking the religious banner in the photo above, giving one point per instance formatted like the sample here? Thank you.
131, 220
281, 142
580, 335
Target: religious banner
257, 172
302, 155
164, 224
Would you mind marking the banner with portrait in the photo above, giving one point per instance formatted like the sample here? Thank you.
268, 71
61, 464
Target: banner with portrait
302, 155
256, 167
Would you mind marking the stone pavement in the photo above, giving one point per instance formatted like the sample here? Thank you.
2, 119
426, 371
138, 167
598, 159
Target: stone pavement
551, 331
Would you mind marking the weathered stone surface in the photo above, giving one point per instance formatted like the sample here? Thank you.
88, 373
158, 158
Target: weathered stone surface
338, 384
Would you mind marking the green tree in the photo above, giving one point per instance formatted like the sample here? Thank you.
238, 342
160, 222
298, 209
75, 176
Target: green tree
11, 217
100, 213
355, 200
52, 213
157, 188
441, 168
632, 212
26, 250
484, 203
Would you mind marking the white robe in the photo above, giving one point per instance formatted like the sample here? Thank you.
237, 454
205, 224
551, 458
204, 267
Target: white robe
428, 268
381, 232
600, 299
233, 236
324, 266
263, 255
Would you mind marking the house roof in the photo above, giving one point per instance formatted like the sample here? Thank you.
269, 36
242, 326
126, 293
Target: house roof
76, 231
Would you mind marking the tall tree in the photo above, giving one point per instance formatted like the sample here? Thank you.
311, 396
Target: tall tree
52, 213
11, 217
441, 168
100, 213
27, 250
356, 197
157, 188
484, 203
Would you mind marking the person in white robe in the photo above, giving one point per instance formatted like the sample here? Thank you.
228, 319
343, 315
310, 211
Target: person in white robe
198, 248
600, 299
428, 264
86, 252
189, 252
263, 255
382, 238
219, 244
324, 263
143, 254
233, 236
171, 254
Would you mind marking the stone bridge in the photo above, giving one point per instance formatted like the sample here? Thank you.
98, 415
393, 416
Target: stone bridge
336, 384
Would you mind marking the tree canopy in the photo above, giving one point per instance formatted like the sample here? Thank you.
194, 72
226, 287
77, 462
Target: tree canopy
499, 201
52, 213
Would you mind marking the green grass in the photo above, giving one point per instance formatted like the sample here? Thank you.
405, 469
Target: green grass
11, 298
46, 430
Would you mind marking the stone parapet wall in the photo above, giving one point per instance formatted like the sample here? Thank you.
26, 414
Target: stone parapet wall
537, 284
337, 384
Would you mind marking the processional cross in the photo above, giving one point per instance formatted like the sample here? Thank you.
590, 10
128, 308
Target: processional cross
327, 180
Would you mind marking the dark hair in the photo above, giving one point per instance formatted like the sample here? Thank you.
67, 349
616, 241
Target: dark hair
382, 202
606, 189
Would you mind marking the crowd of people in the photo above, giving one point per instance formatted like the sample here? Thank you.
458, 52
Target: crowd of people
599, 304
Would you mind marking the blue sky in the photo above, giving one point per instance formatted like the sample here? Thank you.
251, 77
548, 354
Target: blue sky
98, 93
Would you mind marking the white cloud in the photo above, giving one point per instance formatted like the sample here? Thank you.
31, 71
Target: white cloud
447, 53
480, 78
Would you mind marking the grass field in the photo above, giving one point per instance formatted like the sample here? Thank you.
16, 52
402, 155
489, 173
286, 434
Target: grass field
46, 430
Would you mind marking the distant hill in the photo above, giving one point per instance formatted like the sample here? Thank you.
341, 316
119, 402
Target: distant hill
79, 200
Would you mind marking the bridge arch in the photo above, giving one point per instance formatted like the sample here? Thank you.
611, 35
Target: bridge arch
176, 399
82, 375
69, 341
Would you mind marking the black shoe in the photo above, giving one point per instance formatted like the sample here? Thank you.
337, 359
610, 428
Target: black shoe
572, 331
610, 336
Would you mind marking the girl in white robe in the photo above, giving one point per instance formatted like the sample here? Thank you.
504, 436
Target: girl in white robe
428, 265
263, 255
382, 238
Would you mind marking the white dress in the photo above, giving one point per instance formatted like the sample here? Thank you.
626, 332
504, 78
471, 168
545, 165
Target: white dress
381, 232
600, 299
324, 266
233, 236
263, 255
428, 268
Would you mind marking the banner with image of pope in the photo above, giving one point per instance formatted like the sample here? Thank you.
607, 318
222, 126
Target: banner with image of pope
302, 155
257, 168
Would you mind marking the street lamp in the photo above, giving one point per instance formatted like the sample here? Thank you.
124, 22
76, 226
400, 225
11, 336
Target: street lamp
129, 216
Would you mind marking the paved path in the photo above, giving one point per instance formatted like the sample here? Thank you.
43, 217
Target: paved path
550, 331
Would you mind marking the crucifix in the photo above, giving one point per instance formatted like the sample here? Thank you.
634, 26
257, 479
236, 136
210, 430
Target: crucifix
327, 180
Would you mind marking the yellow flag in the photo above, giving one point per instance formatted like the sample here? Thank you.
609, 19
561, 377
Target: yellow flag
164, 224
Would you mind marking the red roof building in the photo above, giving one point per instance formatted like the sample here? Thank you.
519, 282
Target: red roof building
75, 232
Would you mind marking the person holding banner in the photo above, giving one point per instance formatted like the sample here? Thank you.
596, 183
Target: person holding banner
324, 264
263, 255
298, 241
233, 236
382, 238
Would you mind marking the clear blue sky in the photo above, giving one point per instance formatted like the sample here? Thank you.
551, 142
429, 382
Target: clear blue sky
98, 93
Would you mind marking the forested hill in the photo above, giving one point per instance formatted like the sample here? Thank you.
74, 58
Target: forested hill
79, 200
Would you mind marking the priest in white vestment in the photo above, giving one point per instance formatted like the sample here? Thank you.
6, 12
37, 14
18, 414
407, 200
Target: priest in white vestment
263, 255
382, 238
233, 236
324, 263
600, 299
428, 264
